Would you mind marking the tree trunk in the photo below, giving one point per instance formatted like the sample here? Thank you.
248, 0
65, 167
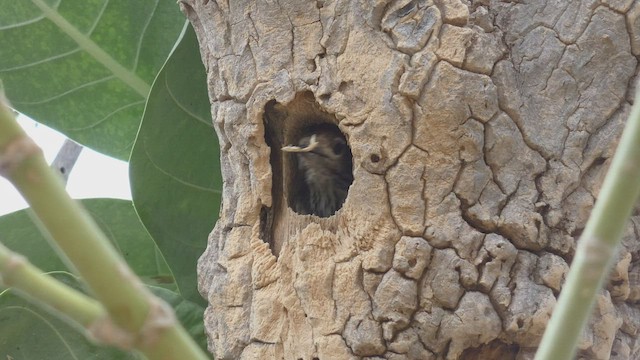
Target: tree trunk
480, 133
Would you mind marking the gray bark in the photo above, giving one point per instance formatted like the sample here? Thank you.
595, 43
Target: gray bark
66, 159
480, 133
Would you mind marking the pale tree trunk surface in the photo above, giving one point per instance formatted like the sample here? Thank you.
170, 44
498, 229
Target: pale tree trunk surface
480, 132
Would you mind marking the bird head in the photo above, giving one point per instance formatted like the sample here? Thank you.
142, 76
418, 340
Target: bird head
324, 163
323, 154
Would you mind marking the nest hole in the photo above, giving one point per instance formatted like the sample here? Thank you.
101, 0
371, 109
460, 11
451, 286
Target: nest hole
312, 176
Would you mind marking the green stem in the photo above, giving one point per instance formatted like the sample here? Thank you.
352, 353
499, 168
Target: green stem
171, 346
85, 245
72, 230
22, 276
597, 246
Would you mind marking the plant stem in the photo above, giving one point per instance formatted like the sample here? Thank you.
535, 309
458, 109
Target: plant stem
22, 276
71, 228
597, 246
74, 232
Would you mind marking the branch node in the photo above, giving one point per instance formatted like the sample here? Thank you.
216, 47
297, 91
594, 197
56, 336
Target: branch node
15, 153
159, 318
13, 262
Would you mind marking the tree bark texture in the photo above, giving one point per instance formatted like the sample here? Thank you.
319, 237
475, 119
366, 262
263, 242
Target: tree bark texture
480, 133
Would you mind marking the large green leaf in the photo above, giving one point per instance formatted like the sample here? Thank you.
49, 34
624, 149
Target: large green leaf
22, 321
174, 167
29, 332
85, 67
116, 218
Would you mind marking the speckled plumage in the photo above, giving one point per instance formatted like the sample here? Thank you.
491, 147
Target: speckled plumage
327, 173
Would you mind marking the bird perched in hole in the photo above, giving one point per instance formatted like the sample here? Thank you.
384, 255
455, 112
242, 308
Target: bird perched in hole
324, 164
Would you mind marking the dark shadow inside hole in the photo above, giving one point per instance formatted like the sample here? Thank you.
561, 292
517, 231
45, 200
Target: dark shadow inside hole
266, 226
273, 120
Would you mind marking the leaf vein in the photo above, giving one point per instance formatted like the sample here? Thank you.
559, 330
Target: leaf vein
88, 45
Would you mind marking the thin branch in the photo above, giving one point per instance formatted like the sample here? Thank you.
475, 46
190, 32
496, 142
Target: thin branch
66, 159
597, 246
16, 272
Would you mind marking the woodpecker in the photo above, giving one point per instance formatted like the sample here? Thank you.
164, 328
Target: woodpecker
324, 165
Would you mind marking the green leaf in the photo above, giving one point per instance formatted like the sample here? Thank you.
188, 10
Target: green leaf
119, 222
175, 167
85, 67
29, 332
21, 321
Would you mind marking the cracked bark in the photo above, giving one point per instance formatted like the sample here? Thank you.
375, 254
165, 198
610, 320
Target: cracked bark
480, 133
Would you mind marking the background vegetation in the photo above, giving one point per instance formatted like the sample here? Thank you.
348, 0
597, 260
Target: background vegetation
126, 79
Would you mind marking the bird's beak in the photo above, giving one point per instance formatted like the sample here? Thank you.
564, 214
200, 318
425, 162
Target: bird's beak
313, 143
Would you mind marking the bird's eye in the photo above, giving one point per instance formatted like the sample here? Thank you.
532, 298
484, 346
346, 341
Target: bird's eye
338, 148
